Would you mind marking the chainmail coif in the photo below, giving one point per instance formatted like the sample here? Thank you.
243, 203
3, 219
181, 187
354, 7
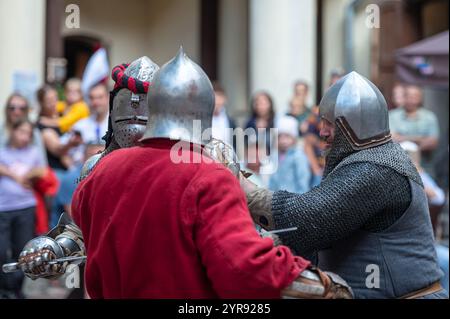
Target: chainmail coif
366, 189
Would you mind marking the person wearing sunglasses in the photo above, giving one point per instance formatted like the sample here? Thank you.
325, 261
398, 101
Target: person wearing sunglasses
17, 109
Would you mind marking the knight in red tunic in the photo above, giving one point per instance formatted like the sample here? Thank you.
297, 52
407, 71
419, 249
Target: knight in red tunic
165, 220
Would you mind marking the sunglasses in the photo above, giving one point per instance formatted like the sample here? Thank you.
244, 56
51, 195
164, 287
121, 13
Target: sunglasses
12, 107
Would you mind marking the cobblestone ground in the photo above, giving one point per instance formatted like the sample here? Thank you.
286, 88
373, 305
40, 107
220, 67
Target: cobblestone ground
45, 289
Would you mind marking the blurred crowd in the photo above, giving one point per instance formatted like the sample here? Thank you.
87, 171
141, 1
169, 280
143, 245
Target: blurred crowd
294, 159
40, 161
41, 156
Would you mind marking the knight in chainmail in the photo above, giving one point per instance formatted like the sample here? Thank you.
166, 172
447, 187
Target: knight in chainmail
126, 125
368, 220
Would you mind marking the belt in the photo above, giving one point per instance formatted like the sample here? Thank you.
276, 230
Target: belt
435, 287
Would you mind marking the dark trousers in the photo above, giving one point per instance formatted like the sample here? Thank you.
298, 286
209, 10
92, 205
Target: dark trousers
16, 229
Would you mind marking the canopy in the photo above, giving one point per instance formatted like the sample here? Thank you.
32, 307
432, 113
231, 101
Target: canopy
424, 63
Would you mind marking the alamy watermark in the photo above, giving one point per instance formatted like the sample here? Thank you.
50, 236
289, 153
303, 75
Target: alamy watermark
261, 139
373, 16
372, 19
373, 277
73, 17
72, 276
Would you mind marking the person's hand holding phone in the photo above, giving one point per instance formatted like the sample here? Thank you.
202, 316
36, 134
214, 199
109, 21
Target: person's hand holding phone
76, 139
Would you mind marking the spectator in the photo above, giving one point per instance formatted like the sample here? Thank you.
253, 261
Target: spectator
436, 198
56, 151
263, 117
398, 96
17, 109
301, 113
441, 170
335, 75
94, 127
298, 107
69, 180
20, 164
314, 146
414, 123
293, 173
222, 124
253, 164
435, 194
75, 108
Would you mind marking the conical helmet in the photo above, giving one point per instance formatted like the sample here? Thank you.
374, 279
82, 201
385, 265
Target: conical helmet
181, 102
359, 109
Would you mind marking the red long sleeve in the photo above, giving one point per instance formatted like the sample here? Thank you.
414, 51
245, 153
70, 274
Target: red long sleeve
157, 229
239, 263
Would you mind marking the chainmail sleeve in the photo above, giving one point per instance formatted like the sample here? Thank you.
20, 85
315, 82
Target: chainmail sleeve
358, 195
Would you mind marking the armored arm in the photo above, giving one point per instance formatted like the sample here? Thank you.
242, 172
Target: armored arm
313, 283
68, 236
358, 196
225, 154
64, 240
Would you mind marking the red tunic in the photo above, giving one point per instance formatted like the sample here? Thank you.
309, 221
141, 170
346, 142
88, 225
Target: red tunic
156, 229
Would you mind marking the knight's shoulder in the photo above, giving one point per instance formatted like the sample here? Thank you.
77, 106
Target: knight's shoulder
90, 163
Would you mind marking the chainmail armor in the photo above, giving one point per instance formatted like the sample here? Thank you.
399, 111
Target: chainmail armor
367, 189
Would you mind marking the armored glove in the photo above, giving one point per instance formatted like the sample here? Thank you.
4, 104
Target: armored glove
265, 234
35, 256
225, 154
312, 283
62, 241
316, 284
259, 202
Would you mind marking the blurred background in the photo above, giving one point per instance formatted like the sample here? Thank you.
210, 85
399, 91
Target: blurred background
284, 53
247, 45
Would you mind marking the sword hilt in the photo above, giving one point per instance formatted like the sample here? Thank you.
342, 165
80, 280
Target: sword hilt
13, 267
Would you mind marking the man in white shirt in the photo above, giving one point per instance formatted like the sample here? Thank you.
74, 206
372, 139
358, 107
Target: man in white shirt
94, 127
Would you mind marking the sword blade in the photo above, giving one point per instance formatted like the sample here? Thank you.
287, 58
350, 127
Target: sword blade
282, 230
64, 259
